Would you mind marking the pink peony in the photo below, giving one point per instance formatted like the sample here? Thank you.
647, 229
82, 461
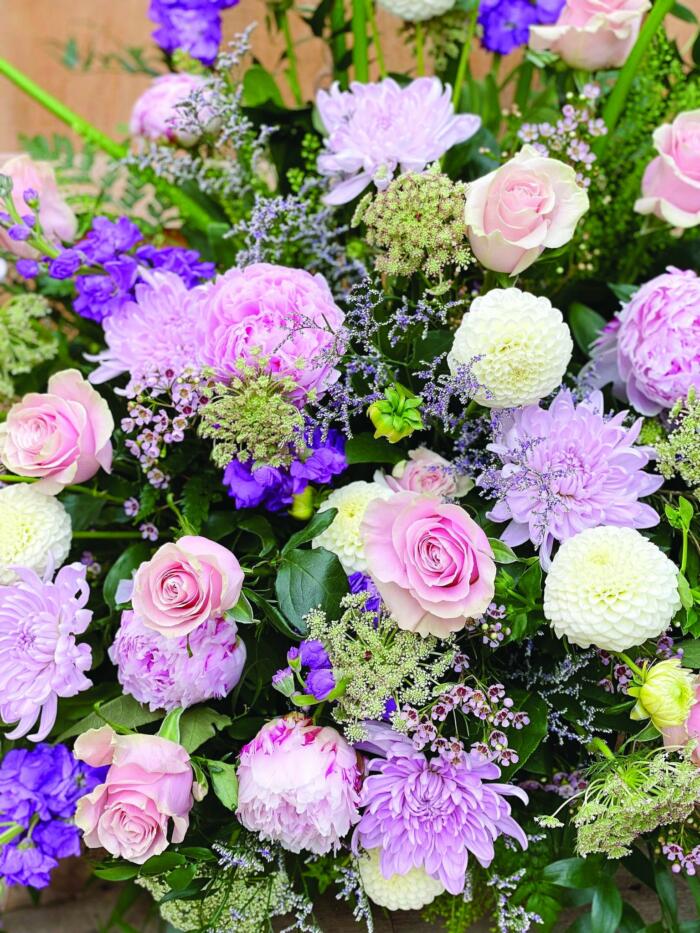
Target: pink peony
58, 221
671, 182
428, 472
373, 129
184, 584
651, 351
167, 672
40, 660
530, 204
149, 783
592, 34
433, 565
287, 316
62, 435
298, 784
157, 113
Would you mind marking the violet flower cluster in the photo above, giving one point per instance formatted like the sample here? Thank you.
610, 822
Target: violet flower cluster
193, 26
311, 664
506, 24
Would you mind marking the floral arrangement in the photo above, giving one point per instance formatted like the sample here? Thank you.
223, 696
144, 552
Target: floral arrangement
350, 460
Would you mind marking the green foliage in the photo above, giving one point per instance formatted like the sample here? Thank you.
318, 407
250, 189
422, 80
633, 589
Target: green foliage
25, 340
307, 579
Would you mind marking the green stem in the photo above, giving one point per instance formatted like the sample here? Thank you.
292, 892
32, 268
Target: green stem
360, 58
598, 745
616, 102
420, 49
189, 209
630, 663
292, 70
83, 490
463, 63
338, 44
376, 38
106, 535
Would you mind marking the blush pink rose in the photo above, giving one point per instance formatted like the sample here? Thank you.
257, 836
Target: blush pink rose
58, 221
530, 204
426, 472
433, 565
184, 584
679, 736
149, 783
671, 182
157, 115
592, 34
61, 435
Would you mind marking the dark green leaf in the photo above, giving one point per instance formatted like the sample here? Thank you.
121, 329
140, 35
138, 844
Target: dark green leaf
273, 615
691, 653
180, 878
575, 872
502, 554
200, 724
259, 527
585, 324
122, 711
196, 497
84, 510
530, 583
259, 87
606, 909
525, 741
307, 580
242, 612
630, 922
159, 864
623, 292
224, 782
122, 569
116, 872
364, 448
682, 12
318, 523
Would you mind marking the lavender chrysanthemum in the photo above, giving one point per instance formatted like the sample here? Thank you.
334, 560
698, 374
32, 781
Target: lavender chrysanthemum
432, 814
373, 129
567, 468
40, 660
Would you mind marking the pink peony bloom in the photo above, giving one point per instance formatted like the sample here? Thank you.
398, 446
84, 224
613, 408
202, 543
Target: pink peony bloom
679, 736
530, 204
651, 351
58, 221
427, 472
671, 182
287, 316
298, 784
40, 660
373, 129
167, 672
157, 113
62, 435
432, 564
185, 584
592, 34
149, 783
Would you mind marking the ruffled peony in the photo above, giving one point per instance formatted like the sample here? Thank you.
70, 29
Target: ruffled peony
416, 11
651, 351
610, 587
35, 532
342, 537
166, 673
411, 891
671, 182
158, 113
298, 785
39, 658
373, 129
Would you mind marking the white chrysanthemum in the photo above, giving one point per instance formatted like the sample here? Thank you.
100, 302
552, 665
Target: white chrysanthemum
517, 344
411, 891
416, 11
342, 536
35, 531
610, 587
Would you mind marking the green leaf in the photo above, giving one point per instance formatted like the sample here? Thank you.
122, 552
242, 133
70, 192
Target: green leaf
682, 12
180, 878
606, 909
630, 921
623, 292
116, 872
242, 612
318, 523
502, 554
273, 615
160, 864
585, 324
84, 510
260, 528
170, 727
123, 711
196, 498
307, 580
575, 872
122, 569
526, 741
200, 724
224, 782
686, 510
684, 592
530, 583
259, 88
363, 448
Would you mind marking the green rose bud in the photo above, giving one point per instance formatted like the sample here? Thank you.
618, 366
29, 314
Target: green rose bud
665, 693
396, 415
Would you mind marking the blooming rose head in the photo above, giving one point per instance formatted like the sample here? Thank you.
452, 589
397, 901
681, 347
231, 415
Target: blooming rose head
665, 693
530, 204
671, 182
184, 584
157, 114
58, 221
298, 785
689, 731
35, 532
62, 435
651, 351
432, 564
149, 783
287, 317
428, 472
592, 34
373, 129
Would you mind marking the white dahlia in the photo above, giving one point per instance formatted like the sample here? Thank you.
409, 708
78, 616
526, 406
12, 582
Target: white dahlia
35, 532
610, 587
416, 11
342, 536
411, 891
518, 347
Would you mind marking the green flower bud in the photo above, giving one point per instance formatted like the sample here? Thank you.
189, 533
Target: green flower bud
302, 506
397, 415
665, 693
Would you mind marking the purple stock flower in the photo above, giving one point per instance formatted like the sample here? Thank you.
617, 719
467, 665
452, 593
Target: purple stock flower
191, 25
185, 263
506, 23
313, 655
107, 237
65, 265
320, 682
27, 268
360, 583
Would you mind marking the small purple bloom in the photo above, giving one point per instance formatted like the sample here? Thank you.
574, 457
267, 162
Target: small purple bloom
191, 25
360, 583
19, 232
320, 682
506, 23
313, 655
65, 265
30, 197
27, 268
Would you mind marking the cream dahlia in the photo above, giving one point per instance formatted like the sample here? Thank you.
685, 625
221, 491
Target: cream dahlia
342, 536
412, 891
35, 532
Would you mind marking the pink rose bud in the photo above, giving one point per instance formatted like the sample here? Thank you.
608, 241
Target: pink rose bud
149, 783
530, 204
592, 34
57, 220
184, 584
61, 436
671, 182
427, 472
158, 114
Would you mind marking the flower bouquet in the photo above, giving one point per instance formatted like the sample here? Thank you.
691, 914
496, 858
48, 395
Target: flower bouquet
350, 449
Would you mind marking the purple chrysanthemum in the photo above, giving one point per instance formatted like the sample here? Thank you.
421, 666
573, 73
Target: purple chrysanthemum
432, 814
567, 468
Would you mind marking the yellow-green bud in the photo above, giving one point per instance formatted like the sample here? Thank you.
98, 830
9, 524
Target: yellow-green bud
396, 415
665, 693
302, 506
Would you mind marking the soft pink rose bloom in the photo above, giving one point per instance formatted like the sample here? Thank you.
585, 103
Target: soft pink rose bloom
530, 204
428, 472
679, 736
149, 783
62, 435
433, 565
184, 584
671, 182
156, 114
58, 221
592, 34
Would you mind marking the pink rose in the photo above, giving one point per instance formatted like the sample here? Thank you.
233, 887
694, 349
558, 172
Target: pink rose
184, 584
62, 435
149, 783
592, 34
58, 221
671, 182
433, 565
524, 207
156, 114
428, 472
679, 736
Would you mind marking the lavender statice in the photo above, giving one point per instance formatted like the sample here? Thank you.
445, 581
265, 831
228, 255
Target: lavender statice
511, 917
